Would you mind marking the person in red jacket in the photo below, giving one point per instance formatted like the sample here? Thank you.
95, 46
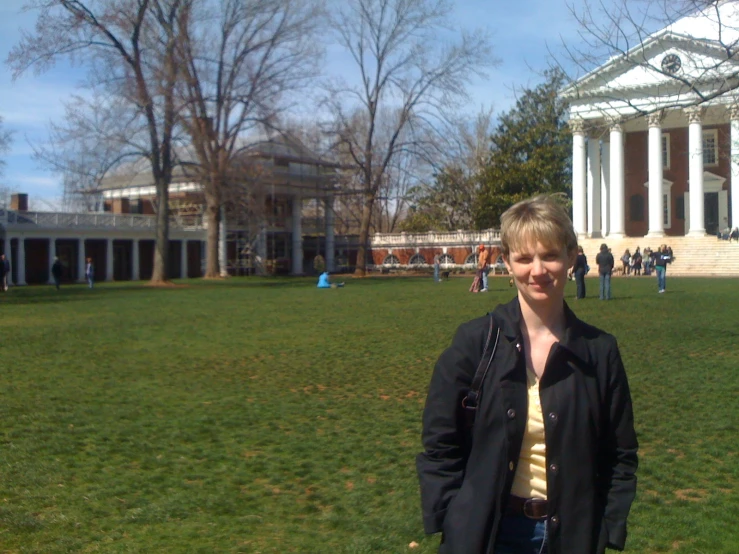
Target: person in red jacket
549, 464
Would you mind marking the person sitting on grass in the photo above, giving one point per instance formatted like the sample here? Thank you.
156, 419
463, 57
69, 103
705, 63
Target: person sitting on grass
325, 283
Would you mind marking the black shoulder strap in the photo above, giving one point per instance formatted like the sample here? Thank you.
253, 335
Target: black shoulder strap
470, 401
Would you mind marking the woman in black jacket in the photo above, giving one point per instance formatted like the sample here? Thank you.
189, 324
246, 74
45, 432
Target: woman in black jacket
580, 269
549, 464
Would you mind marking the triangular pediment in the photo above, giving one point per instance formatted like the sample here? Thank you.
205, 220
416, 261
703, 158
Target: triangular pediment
699, 51
693, 61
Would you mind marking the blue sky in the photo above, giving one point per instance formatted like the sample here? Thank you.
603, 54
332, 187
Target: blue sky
521, 31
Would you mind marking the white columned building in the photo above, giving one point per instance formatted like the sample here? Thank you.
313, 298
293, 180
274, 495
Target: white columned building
594, 173
6, 251
330, 240
668, 164
297, 235
578, 177
52, 257
20, 263
135, 261
616, 200
656, 201
734, 159
695, 153
109, 265
183, 259
81, 260
605, 179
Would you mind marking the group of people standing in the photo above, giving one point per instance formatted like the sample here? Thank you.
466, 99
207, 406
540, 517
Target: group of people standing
632, 264
57, 271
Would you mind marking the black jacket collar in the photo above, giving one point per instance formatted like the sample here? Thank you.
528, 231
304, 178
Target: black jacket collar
508, 318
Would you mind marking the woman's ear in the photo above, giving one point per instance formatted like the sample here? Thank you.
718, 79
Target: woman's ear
507, 263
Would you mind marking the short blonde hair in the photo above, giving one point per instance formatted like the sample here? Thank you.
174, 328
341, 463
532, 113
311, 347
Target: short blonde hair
539, 219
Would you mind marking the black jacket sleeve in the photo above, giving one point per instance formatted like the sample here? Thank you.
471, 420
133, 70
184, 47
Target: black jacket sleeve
441, 465
621, 452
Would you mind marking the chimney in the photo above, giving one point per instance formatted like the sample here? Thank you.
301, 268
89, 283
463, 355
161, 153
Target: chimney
19, 202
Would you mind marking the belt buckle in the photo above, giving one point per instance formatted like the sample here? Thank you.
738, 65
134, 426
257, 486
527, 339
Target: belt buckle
529, 508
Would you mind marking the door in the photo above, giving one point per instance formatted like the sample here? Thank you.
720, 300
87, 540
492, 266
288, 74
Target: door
710, 211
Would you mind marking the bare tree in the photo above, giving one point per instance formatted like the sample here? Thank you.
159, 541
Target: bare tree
5, 139
403, 72
241, 61
131, 49
623, 31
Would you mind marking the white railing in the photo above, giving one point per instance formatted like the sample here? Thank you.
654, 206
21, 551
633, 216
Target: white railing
488, 236
94, 220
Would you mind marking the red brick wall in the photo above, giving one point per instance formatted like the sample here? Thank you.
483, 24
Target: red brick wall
637, 173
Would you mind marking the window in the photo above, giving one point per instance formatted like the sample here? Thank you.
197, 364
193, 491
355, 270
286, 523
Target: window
710, 147
417, 259
666, 210
471, 260
446, 259
636, 207
665, 150
391, 259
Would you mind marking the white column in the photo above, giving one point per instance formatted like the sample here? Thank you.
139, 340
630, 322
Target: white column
6, 251
109, 261
81, 260
261, 234
656, 198
330, 241
222, 246
616, 223
594, 224
21, 262
183, 258
695, 172
605, 180
297, 213
52, 255
734, 165
578, 176
135, 261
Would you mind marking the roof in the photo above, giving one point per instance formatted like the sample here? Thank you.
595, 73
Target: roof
287, 148
707, 41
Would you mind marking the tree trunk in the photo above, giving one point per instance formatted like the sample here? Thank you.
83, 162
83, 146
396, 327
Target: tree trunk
161, 248
213, 220
364, 227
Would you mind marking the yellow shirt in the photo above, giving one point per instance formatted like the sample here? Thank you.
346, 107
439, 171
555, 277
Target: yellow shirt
530, 479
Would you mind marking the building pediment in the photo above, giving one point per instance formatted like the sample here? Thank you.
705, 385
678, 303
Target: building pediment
698, 52
642, 74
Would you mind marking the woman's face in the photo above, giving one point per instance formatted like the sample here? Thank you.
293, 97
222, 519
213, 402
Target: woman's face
540, 272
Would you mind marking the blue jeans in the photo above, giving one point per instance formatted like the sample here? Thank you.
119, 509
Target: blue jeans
485, 278
605, 286
89, 281
661, 277
436, 273
580, 280
521, 535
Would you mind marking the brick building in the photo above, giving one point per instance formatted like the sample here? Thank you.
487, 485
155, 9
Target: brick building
650, 158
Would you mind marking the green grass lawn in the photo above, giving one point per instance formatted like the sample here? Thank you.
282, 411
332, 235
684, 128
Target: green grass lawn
266, 416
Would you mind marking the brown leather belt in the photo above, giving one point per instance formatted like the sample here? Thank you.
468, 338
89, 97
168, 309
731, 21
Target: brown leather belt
532, 508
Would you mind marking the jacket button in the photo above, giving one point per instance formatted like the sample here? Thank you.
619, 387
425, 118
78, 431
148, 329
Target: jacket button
554, 520
553, 417
554, 468
511, 413
511, 465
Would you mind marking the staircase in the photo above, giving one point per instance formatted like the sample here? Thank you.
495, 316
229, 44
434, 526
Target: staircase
694, 256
